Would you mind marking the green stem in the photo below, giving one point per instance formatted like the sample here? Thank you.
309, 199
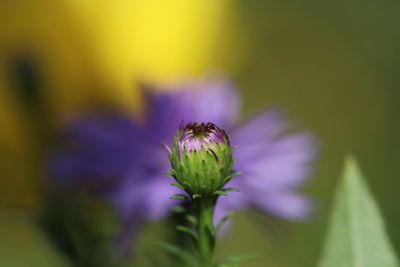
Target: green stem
204, 209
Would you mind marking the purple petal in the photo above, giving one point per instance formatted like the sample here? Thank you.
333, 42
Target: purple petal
215, 102
144, 195
287, 205
265, 126
98, 147
273, 163
159, 203
284, 163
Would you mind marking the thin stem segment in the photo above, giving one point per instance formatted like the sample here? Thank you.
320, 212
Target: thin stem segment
204, 209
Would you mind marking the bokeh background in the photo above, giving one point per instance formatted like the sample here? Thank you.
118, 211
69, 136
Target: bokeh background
333, 66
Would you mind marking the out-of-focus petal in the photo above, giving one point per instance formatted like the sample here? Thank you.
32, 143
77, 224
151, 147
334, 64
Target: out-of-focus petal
264, 127
159, 203
273, 162
284, 163
98, 147
215, 102
146, 198
166, 110
287, 205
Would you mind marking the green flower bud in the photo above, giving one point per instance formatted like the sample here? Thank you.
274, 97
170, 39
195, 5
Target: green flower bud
201, 159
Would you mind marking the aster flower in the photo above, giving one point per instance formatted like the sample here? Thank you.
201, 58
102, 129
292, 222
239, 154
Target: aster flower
127, 154
274, 161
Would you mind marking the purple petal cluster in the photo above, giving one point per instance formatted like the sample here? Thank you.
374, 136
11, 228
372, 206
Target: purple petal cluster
125, 160
195, 137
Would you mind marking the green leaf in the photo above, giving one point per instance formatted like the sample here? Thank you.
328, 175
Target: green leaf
187, 230
179, 196
224, 219
220, 192
191, 219
179, 209
356, 236
178, 252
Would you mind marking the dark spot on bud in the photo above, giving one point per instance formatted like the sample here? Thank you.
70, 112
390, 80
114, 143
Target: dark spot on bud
214, 154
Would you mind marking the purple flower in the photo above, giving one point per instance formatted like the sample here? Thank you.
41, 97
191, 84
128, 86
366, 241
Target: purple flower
126, 156
274, 162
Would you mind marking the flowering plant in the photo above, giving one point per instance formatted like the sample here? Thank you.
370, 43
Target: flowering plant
125, 158
201, 159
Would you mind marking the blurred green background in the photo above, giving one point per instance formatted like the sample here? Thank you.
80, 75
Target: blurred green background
333, 65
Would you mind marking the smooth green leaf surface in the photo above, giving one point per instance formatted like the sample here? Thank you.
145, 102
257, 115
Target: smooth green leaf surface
356, 236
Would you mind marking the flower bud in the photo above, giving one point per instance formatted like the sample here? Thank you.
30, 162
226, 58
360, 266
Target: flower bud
201, 159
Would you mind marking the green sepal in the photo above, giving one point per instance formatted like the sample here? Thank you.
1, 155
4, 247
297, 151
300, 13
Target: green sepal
196, 196
179, 196
186, 185
179, 186
172, 174
230, 177
231, 189
233, 162
220, 192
